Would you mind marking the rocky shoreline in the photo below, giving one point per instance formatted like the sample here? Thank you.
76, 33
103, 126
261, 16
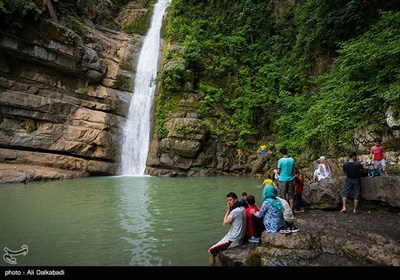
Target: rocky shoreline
326, 238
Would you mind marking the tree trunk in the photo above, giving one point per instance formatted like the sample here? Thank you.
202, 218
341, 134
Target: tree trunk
52, 11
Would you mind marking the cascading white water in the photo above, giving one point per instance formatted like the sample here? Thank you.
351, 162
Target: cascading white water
136, 134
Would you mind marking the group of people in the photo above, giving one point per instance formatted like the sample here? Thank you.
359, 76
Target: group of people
282, 195
353, 170
247, 221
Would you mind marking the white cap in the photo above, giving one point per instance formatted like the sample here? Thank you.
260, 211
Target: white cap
321, 158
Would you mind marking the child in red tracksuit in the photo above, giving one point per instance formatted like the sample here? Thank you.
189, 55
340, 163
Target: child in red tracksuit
298, 191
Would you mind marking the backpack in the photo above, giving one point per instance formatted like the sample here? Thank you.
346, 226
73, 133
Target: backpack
373, 173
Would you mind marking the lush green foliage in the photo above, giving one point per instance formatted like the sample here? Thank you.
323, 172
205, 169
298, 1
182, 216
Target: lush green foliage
73, 12
165, 104
308, 72
22, 7
362, 84
141, 23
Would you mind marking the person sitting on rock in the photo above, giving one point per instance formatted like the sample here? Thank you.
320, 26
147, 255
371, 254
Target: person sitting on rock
235, 216
270, 216
251, 200
243, 201
288, 218
323, 171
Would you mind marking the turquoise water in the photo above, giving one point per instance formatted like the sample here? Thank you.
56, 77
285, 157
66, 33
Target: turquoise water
118, 221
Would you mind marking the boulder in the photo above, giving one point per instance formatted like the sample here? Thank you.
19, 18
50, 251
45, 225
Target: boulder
327, 193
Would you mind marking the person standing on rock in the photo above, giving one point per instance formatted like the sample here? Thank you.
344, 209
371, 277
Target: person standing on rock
378, 155
239, 155
298, 191
286, 177
353, 170
235, 216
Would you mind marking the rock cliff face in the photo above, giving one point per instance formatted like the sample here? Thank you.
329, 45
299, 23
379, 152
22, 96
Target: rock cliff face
327, 194
63, 99
189, 147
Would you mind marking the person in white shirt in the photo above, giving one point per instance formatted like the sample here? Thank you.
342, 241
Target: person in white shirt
289, 219
323, 171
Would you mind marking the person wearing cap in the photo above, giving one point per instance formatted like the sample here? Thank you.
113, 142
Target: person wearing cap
323, 171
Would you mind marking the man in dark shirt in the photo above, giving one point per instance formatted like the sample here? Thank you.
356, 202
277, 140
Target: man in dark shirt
353, 170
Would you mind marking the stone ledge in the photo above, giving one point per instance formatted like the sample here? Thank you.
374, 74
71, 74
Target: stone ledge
326, 238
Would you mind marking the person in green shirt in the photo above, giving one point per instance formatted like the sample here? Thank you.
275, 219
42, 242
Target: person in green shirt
286, 177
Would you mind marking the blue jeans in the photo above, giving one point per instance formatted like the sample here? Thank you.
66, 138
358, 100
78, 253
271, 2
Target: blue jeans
298, 198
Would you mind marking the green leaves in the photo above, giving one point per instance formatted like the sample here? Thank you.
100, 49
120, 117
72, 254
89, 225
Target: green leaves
309, 73
22, 7
361, 85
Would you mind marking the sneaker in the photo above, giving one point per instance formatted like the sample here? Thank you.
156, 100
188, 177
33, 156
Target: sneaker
254, 240
284, 230
294, 229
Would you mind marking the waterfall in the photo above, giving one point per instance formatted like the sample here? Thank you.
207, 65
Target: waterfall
136, 133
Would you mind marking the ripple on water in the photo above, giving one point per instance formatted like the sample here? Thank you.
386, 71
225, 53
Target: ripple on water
117, 220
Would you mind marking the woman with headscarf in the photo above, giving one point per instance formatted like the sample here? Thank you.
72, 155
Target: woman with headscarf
270, 216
